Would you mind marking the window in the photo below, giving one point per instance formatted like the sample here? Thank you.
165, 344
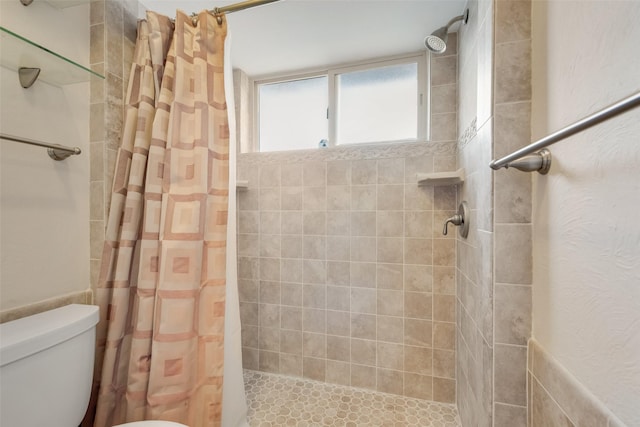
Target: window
373, 102
293, 114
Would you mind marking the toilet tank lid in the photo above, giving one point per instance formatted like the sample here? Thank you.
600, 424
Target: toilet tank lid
29, 335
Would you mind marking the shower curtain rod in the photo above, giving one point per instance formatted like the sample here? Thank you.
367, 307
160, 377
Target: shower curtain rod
239, 6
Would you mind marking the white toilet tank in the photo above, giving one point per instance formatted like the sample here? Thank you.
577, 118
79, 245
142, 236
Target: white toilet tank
46, 367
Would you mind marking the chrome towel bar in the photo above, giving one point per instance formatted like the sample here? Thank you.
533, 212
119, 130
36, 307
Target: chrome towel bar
529, 159
55, 151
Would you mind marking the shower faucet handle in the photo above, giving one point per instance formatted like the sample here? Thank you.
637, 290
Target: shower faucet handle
460, 219
455, 220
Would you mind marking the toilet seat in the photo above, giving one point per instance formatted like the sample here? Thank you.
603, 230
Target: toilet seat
151, 424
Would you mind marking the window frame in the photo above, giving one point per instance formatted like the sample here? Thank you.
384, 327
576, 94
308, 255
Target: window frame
332, 72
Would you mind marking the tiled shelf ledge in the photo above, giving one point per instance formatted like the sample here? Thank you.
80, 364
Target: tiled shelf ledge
242, 185
55, 69
440, 178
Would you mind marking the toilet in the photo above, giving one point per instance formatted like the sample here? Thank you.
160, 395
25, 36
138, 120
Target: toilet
46, 369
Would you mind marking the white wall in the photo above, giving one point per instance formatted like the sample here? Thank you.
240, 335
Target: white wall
586, 291
44, 205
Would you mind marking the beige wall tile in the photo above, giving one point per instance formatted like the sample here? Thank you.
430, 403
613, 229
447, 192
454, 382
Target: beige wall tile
390, 197
269, 292
390, 250
338, 197
444, 363
269, 339
418, 251
291, 199
544, 411
291, 222
418, 305
512, 314
444, 335
510, 374
363, 249
314, 198
418, 332
444, 390
443, 70
290, 317
339, 172
363, 352
314, 174
314, 320
269, 246
509, 415
363, 376
250, 357
513, 71
390, 303
338, 348
444, 308
389, 223
269, 361
291, 270
390, 329
363, 223
363, 172
391, 171
338, 273
363, 326
418, 224
291, 246
291, 364
314, 369
418, 360
314, 296
389, 276
290, 175
338, 323
390, 356
513, 253
314, 345
418, 386
418, 278
338, 223
314, 247
270, 175
363, 197
363, 300
291, 342
314, 271
513, 20
389, 381
338, 372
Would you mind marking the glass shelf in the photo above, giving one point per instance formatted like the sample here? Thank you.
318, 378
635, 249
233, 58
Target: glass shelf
57, 70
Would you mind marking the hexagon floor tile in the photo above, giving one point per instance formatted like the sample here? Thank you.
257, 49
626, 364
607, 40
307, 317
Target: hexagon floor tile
276, 400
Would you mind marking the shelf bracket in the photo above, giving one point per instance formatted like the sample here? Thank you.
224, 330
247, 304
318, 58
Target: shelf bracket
28, 76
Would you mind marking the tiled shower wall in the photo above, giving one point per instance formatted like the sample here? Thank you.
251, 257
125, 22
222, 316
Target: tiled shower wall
494, 263
344, 274
113, 36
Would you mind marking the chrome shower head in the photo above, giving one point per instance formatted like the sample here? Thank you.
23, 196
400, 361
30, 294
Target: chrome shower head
437, 41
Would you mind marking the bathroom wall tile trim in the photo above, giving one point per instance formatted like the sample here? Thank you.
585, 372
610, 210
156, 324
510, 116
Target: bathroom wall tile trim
557, 398
83, 297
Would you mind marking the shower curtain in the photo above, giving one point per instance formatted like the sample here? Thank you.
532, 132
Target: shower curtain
169, 331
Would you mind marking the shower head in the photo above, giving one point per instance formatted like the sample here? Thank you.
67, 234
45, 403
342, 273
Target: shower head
437, 41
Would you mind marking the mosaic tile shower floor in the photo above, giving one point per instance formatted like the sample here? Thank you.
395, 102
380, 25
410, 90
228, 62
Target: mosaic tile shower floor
276, 400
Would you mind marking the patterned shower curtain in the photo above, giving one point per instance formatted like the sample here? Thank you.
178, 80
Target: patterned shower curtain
161, 289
